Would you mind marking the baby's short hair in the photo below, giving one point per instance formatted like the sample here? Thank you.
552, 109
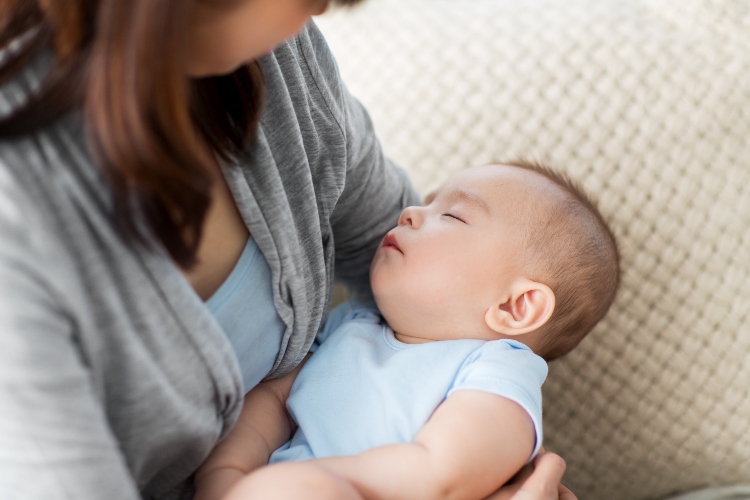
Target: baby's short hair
575, 253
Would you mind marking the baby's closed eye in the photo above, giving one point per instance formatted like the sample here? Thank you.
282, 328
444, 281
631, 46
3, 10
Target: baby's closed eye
446, 214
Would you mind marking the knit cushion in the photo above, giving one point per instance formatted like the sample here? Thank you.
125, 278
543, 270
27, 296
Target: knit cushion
648, 104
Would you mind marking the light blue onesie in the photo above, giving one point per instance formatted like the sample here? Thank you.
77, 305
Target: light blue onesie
363, 388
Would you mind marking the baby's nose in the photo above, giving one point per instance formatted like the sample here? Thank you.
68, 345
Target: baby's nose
409, 217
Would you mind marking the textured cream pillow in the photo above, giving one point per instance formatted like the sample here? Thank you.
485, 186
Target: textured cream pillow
648, 104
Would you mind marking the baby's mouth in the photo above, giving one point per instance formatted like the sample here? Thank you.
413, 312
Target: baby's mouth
390, 242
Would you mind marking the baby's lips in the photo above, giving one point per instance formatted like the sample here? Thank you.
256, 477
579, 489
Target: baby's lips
390, 242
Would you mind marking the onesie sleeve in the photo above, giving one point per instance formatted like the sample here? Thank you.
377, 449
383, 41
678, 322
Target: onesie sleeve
376, 190
509, 369
55, 441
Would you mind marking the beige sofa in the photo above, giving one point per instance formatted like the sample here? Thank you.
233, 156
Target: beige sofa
647, 102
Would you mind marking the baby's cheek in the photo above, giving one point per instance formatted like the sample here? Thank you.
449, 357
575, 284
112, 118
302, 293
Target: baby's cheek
377, 269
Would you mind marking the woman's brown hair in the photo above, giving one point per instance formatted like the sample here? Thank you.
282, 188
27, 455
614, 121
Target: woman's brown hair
152, 130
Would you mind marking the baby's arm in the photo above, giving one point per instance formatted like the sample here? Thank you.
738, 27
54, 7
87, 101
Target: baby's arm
473, 444
263, 426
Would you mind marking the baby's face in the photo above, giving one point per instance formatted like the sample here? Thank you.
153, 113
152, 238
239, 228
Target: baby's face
437, 272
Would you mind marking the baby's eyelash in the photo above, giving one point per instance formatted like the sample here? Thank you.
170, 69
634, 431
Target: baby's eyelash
452, 216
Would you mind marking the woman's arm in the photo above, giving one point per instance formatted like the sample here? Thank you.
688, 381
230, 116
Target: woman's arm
263, 426
55, 437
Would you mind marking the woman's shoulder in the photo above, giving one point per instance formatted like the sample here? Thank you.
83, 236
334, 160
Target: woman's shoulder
36, 161
49, 193
16, 206
304, 129
304, 65
52, 167
34, 260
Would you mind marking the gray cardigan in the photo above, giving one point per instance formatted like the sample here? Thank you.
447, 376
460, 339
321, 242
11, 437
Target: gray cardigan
115, 380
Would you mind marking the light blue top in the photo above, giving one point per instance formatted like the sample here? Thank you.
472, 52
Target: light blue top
363, 388
243, 306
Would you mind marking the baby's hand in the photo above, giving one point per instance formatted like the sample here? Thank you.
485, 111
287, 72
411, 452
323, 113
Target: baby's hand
292, 481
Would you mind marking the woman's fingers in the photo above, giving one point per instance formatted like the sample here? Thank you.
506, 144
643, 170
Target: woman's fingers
544, 482
549, 469
565, 493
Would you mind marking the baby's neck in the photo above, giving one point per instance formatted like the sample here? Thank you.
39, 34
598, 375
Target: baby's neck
410, 339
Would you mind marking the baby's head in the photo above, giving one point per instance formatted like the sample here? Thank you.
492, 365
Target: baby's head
499, 251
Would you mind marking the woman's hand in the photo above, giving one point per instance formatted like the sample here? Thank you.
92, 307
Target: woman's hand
540, 481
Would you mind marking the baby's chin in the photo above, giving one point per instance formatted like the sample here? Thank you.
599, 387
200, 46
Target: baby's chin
403, 314
388, 307
379, 301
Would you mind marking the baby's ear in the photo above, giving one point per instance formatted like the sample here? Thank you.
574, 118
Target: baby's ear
528, 306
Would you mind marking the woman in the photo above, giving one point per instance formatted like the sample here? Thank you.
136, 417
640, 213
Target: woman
159, 165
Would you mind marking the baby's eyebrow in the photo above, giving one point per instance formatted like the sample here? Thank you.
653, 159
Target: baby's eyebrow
471, 199
465, 196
